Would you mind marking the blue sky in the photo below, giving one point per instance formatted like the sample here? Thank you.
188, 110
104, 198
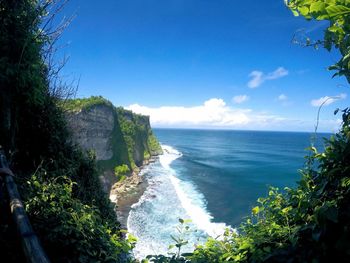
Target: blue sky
203, 64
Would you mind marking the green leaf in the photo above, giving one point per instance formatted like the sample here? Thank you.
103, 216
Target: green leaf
304, 11
295, 13
345, 182
334, 28
255, 210
171, 246
317, 7
336, 10
286, 209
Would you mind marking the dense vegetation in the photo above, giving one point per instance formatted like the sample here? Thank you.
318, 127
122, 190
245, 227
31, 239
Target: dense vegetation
84, 103
132, 139
138, 135
75, 220
121, 171
310, 223
59, 184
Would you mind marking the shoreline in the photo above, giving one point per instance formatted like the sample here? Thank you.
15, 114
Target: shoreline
128, 192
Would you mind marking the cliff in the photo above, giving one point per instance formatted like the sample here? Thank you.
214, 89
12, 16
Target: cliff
93, 129
138, 135
117, 136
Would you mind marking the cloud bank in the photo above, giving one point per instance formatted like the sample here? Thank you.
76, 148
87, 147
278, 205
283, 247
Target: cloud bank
213, 113
216, 114
259, 77
327, 100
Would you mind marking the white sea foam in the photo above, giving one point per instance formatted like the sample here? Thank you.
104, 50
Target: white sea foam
197, 212
169, 155
191, 200
167, 198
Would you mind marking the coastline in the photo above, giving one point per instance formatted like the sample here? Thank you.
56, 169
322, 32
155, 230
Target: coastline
128, 192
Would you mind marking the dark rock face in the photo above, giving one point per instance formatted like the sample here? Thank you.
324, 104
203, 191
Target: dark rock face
92, 129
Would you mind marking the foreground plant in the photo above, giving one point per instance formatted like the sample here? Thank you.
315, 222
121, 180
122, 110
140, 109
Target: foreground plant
71, 231
70, 213
336, 35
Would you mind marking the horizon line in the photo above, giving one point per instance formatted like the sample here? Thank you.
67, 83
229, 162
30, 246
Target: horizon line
231, 129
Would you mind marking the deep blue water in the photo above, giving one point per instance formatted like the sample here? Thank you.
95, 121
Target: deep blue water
216, 179
233, 168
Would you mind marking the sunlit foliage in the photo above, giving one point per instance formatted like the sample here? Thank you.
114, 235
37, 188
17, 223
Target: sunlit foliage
337, 34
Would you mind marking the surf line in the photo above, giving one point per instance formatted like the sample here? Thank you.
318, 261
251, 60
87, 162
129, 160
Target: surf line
191, 200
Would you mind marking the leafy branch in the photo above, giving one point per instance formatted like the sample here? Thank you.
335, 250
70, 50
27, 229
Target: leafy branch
337, 34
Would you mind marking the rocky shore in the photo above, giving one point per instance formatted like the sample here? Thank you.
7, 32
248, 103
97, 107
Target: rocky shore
128, 192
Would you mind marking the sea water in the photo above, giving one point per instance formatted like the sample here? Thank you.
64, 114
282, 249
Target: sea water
212, 178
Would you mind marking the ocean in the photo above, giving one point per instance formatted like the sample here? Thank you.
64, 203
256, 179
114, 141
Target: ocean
213, 178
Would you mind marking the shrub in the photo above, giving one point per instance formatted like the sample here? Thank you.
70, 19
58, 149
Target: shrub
121, 170
71, 231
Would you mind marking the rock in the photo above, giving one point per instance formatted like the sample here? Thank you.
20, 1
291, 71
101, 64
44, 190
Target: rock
116, 135
92, 129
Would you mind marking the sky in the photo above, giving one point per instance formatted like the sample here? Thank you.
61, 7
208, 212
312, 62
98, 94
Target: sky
216, 64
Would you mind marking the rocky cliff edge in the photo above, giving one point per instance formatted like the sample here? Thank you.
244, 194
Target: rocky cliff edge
115, 135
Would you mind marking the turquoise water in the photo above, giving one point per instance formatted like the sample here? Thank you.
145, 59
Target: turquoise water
212, 178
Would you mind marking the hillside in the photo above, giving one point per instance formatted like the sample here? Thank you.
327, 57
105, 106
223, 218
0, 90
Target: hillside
115, 135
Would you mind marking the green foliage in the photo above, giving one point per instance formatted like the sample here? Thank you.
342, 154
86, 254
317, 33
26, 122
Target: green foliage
217, 250
72, 216
132, 139
70, 230
183, 230
82, 170
27, 113
121, 171
84, 103
138, 135
337, 12
133, 131
153, 144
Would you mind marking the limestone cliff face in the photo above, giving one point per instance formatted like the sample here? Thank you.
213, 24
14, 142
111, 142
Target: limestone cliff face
92, 129
117, 136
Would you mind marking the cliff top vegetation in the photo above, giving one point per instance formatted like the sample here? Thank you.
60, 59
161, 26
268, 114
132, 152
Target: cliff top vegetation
84, 103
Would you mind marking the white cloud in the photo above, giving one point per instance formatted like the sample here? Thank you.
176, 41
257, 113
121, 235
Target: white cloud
214, 103
240, 99
282, 97
284, 100
213, 113
259, 77
327, 100
278, 73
